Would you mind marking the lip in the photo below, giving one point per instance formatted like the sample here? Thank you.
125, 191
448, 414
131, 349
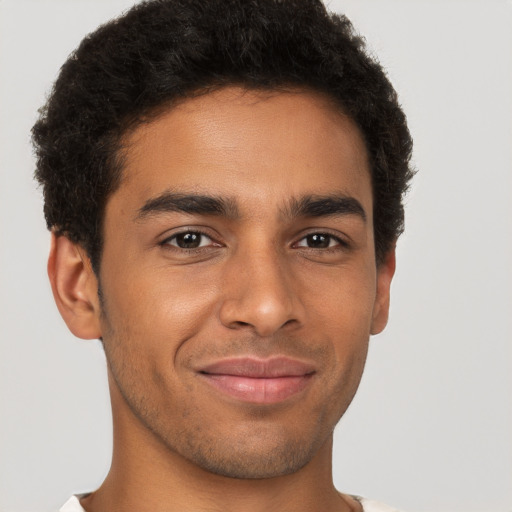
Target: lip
258, 381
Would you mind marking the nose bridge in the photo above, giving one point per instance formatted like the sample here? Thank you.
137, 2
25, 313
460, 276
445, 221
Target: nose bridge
259, 290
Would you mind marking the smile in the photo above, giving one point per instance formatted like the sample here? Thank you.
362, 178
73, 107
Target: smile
258, 381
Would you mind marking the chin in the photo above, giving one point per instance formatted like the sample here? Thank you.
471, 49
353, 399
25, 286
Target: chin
254, 466
251, 456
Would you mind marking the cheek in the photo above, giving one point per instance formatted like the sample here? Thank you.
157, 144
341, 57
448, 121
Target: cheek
342, 312
342, 301
159, 305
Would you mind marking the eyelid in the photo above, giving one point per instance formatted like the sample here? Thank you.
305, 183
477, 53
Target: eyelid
188, 229
174, 237
343, 240
332, 238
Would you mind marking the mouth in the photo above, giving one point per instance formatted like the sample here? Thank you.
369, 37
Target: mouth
258, 381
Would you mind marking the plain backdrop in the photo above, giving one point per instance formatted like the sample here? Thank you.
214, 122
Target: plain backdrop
431, 426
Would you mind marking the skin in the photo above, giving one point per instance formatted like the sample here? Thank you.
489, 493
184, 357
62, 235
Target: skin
258, 286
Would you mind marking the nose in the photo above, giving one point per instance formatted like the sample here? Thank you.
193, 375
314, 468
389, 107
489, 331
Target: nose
260, 294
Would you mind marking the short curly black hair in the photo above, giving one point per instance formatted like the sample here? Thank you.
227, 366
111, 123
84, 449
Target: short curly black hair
161, 51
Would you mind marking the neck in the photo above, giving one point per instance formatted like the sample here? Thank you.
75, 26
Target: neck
146, 475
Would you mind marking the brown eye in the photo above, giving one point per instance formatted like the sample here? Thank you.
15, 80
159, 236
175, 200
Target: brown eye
189, 240
318, 241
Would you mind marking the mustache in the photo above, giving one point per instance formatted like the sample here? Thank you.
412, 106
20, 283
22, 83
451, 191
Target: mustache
294, 347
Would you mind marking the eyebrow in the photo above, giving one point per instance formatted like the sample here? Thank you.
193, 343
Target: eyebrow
202, 204
189, 203
325, 206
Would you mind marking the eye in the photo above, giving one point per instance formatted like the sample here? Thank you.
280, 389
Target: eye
319, 241
189, 240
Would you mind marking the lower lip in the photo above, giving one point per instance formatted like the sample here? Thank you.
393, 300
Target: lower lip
259, 390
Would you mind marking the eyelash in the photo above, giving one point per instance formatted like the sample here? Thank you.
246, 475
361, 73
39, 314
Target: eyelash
167, 242
340, 244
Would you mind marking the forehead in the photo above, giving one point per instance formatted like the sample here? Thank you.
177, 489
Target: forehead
251, 145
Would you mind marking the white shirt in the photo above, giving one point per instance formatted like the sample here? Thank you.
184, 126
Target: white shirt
73, 505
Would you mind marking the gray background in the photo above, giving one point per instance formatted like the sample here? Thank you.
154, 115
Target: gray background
431, 427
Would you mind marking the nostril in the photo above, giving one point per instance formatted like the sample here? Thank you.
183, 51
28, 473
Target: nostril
237, 324
241, 324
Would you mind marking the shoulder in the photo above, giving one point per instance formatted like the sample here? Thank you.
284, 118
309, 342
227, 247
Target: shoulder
72, 505
374, 506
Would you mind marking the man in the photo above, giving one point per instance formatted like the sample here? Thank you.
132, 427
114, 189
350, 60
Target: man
223, 181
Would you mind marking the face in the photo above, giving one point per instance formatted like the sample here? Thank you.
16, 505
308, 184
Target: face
238, 278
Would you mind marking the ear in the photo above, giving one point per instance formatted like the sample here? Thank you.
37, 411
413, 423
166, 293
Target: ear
385, 272
75, 287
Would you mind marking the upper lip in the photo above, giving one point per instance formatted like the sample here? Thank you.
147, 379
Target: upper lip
257, 368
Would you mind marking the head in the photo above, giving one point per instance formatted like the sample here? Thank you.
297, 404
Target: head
233, 174
160, 53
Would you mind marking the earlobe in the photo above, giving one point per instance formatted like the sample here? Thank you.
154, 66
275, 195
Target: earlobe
385, 272
75, 287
